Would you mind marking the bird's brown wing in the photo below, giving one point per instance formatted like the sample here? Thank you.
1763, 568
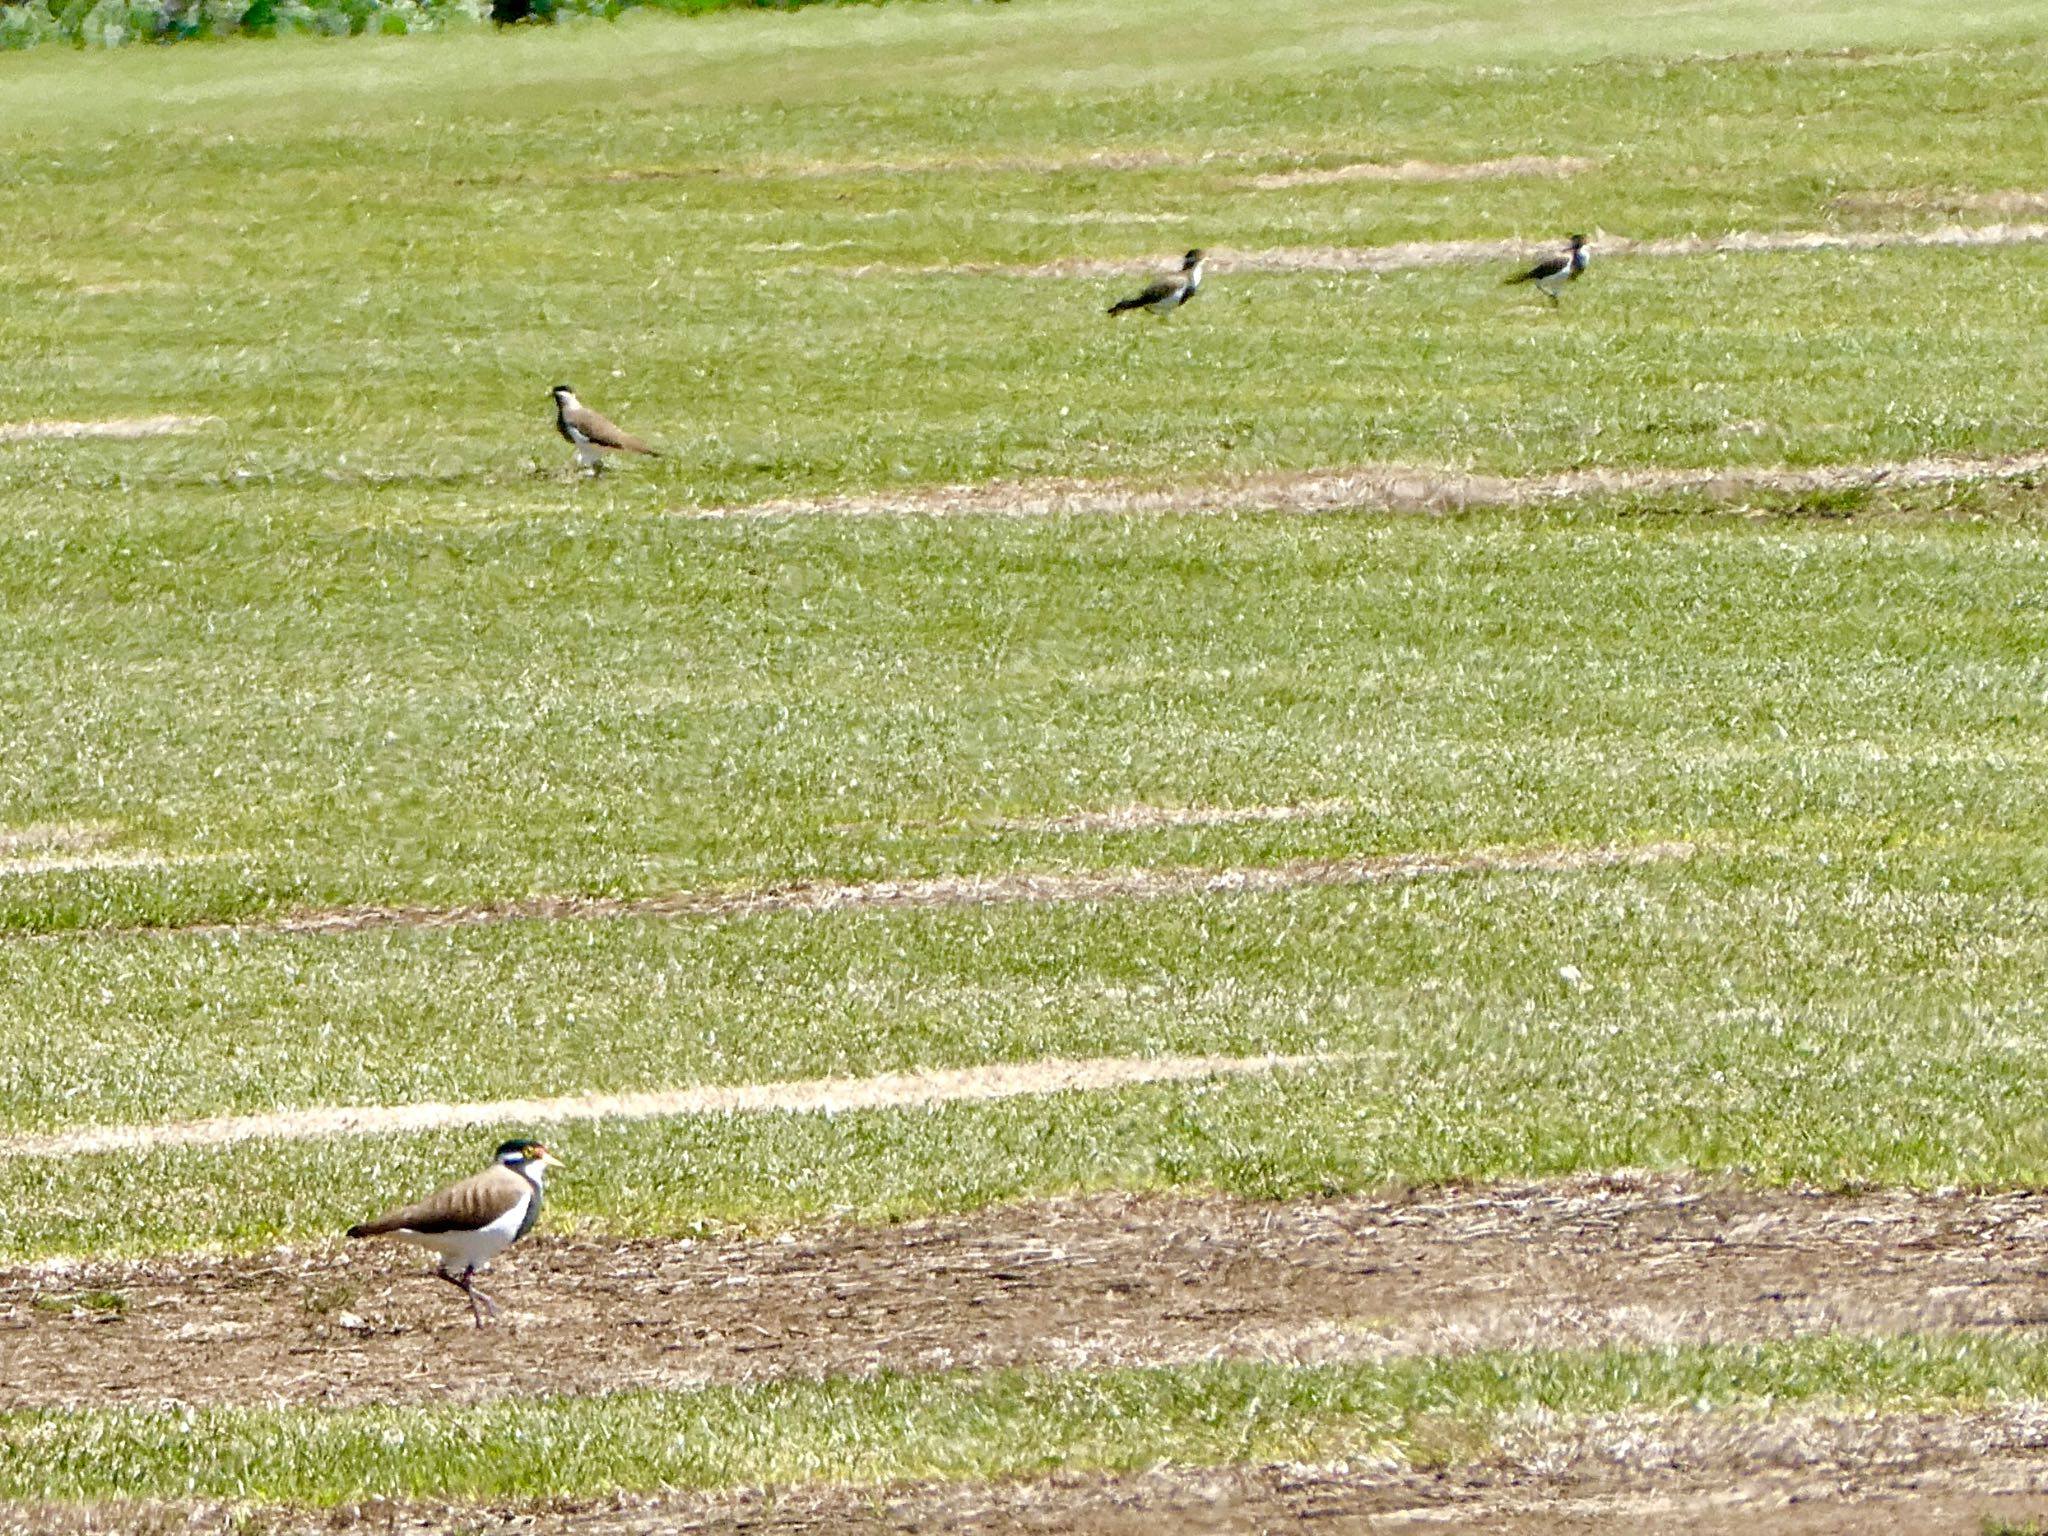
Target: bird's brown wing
475, 1202
605, 432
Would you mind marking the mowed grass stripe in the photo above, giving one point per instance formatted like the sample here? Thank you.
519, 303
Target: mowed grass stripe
871, 1431
832, 1095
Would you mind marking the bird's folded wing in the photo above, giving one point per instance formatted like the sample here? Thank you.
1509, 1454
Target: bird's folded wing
605, 433
1550, 266
475, 1202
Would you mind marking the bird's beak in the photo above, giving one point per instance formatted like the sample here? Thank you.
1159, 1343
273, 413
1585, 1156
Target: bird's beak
550, 1158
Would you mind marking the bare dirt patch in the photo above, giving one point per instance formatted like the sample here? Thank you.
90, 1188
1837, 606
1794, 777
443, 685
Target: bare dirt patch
1381, 487
1102, 1281
1551, 166
116, 426
1407, 255
824, 1095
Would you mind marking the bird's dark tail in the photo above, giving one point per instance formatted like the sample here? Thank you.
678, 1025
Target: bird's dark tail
361, 1229
1123, 304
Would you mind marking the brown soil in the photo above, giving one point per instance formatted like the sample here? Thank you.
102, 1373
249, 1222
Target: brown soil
1117, 1280
1383, 487
818, 1095
1120, 1279
1111, 1280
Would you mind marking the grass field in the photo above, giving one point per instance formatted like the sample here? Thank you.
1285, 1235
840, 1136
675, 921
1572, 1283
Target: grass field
356, 753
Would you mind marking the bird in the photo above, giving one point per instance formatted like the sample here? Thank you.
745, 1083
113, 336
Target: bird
593, 435
472, 1221
1169, 293
1553, 272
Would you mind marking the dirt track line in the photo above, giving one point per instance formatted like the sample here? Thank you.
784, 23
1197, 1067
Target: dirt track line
119, 426
1505, 168
1410, 254
819, 1095
1621, 1260
1382, 487
1136, 884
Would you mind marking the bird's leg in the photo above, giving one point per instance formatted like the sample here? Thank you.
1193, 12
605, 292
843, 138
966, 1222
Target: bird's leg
1555, 301
476, 1312
466, 1283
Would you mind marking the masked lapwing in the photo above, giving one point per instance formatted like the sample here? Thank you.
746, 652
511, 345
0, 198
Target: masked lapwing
1169, 293
1553, 272
593, 435
472, 1222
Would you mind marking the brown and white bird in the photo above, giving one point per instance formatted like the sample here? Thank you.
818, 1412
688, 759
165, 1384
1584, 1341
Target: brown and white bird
1169, 293
594, 436
472, 1222
1553, 272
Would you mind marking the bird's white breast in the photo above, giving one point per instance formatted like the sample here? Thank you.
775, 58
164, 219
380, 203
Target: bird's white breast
473, 1250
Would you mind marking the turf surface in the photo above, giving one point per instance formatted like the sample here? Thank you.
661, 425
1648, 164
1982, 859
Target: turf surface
362, 638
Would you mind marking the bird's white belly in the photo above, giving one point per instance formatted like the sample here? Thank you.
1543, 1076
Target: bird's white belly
471, 1250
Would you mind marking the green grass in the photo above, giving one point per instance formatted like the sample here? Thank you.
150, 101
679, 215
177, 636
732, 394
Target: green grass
363, 640
371, 268
1425, 1411
616, 705
1887, 1089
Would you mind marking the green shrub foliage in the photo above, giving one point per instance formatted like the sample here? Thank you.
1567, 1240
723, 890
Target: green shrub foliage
107, 23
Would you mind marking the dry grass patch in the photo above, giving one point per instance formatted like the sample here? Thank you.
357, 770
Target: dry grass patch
62, 847
113, 426
56, 838
1146, 818
1557, 166
1410, 254
829, 1095
1381, 487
